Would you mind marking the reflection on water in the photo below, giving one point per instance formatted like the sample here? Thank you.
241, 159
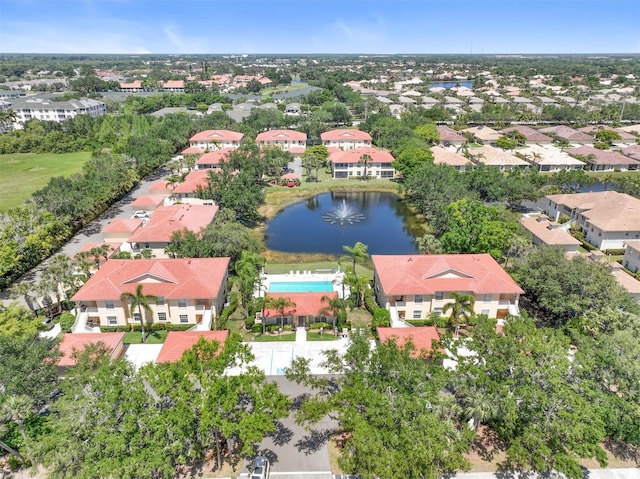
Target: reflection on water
385, 224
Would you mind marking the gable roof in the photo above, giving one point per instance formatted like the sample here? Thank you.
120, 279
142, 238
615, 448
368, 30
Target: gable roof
444, 156
167, 219
345, 135
178, 342
529, 133
483, 133
122, 225
353, 156
306, 304
217, 135
79, 341
148, 201
496, 157
179, 278
215, 157
426, 274
281, 135
193, 180
602, 157
449, 134
548, 231
567, 133
422, 338
607, 210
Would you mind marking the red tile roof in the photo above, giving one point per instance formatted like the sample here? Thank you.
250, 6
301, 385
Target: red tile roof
180, 278
148, 201
353, 156
421, 337
568, 133
446, 157
217, 135
529, 133
602, 157
191, 183
173, 84
159, 187
133, 84
426, 274
178, 342
632, 152
281, 135
307, 304
79, 341
593, 129
122, 225
345, 135
450, 135
192, 150
215, 157
167, 219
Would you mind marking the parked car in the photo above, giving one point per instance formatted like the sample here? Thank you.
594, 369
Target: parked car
260, 468
140, 214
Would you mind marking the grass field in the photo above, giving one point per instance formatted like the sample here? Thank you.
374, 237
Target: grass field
154, 337
25, 173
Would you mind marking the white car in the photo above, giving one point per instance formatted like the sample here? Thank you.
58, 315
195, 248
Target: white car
260, 468
140, 214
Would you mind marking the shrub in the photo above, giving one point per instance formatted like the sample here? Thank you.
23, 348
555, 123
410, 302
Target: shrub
179, 327
370, 303
615, 252
320, 324
420, 322
381, 318
66, 322
115, 329
562, 219
249, 322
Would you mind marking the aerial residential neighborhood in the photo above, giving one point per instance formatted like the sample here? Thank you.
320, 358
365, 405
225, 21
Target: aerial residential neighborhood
366, 265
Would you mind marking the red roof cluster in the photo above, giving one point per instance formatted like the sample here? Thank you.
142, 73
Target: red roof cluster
178, 342
355, 155
421, 337
168, 219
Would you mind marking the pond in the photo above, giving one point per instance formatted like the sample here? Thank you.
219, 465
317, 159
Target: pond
451, 84
326, 222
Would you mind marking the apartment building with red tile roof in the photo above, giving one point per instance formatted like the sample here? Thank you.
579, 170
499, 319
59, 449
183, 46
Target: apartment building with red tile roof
156, 232
209, 140
306, 310
213, 159
350, 164
189, 290
415, 286
283, 139
345, 139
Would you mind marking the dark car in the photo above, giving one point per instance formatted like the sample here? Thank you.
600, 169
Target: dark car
260, 468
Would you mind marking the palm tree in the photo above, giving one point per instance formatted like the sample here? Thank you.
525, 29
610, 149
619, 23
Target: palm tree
7, 119
16, 409
139, 301
461, 309
334, 306
464, 149
358, 253
280, 304
22, 291
479, 408
429, 244
365, 159
357, 285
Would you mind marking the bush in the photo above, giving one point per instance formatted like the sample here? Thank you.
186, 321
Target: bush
66, 322
249, 322
370, 303
381, 318
615, 252
420, 322
115, 329
320, 324
179, 327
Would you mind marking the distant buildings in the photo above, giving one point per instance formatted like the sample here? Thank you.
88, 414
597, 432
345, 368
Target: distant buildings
35, 108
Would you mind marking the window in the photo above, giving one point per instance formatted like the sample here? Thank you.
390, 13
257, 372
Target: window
109, 304
437, 310
416, 314
486, 298
485, 312
184, 318
160, 301
182, 303
418, 299
162, 316
439, 295
112, 320
137, 317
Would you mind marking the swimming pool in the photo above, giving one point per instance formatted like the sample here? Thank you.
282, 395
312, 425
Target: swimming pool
300, 287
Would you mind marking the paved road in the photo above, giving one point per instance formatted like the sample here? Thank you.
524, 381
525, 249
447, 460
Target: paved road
292, 449
92, 233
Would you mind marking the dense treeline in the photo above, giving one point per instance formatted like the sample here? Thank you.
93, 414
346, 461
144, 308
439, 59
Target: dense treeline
107, 419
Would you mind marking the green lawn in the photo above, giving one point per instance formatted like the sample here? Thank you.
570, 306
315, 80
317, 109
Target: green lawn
25, 173
268, 338
316, 336
135, 337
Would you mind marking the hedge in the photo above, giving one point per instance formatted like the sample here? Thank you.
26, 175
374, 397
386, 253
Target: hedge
147, 327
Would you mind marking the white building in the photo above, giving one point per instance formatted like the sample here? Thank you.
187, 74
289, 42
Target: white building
33, 108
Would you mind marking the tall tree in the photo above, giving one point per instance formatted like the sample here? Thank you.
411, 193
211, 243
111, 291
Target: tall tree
139, 301
460, 310
357, 254
365, 159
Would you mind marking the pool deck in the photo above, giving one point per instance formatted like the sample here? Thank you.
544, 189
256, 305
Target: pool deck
301, 277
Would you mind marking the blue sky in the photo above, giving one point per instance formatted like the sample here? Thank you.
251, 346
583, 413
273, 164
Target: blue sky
320, 26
